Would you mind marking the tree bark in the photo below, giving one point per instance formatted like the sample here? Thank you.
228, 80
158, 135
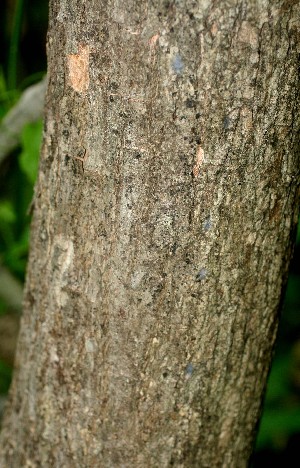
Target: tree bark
162, 232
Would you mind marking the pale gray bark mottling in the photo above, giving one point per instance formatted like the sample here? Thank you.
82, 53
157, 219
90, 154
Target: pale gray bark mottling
162, 233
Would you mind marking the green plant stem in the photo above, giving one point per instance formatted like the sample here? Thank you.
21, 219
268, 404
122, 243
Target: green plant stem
14, 45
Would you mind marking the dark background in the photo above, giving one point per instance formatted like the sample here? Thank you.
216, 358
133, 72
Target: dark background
23, 27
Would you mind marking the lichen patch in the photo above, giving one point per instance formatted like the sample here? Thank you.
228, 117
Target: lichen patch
78, 66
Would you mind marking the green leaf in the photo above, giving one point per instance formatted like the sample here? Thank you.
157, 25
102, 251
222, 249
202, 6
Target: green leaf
7, 220
276, 427
31, 142
3, 87
7, 97
7, 212
279, 380
16, 256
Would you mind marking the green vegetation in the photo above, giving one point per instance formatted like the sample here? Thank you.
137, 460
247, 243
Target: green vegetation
17, 176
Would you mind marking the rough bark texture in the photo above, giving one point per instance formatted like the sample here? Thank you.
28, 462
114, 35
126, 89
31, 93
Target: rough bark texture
158, 258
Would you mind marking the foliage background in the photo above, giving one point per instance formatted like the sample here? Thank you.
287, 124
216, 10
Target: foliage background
23, 27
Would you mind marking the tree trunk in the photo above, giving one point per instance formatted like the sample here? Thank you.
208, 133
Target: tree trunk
161, 237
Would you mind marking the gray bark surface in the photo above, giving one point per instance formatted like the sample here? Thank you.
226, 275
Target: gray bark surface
162, 232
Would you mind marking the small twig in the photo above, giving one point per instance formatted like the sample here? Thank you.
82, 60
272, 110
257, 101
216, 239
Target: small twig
28, 109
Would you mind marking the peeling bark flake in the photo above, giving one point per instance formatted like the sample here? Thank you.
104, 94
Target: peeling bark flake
78, 65
199, 160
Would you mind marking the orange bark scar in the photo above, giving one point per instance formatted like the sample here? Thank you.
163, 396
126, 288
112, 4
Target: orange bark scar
78, 65
152, 44
153, 40
198, 162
